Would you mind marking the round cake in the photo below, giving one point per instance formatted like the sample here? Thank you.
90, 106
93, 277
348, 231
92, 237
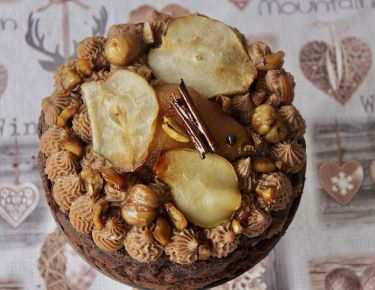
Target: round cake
171, 153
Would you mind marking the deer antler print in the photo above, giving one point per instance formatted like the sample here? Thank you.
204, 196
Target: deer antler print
36, 41
53, 2
100, 22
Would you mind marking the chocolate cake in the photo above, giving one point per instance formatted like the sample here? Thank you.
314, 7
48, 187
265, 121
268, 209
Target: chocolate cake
170, 157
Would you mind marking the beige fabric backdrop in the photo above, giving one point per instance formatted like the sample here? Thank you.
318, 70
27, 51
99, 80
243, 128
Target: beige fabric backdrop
321, 228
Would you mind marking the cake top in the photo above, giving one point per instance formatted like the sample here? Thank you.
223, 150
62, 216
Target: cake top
174, 137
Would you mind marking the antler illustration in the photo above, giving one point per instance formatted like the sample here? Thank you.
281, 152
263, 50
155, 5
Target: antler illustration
36, 41
100, 22
53, 2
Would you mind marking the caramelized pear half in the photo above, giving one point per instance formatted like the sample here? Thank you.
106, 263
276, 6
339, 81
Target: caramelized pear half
206, 53
205, 191
123, 111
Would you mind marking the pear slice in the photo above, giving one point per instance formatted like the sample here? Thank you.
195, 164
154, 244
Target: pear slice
206, 53
205, 191
122, 110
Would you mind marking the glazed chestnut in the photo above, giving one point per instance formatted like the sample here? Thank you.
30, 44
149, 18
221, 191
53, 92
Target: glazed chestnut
141, 207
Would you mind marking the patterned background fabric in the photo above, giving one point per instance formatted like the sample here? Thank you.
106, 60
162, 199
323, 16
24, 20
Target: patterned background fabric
329, 46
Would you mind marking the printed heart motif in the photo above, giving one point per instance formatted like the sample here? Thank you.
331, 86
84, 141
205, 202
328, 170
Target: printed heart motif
252, 279
271, 39
318, 63
372, 171
341, 182
142, 12
17, 202
241, 4
3, 79
61, 267
368, 278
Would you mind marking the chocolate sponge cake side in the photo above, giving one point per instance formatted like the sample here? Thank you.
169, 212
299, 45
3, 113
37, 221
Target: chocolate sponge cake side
165, 274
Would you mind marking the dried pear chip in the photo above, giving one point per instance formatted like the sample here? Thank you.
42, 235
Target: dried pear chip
122, 110
206, 53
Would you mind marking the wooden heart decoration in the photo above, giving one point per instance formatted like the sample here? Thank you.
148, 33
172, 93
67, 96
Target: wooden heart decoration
142, 12
318, 62
17, 202
241, 4
341, 182
3, 79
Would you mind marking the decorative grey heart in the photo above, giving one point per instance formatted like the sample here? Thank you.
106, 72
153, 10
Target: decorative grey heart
17, 202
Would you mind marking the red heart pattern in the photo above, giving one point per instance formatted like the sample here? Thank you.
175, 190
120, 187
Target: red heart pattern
341, 182
357, 60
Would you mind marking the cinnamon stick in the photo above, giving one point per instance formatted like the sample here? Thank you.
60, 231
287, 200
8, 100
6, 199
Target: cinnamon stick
196, 127
198, 119
194, 136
